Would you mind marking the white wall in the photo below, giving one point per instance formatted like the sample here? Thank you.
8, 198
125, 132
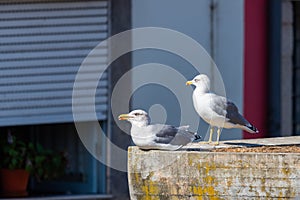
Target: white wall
192, 18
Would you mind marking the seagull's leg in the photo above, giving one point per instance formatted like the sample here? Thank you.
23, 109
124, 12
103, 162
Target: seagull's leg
218, 137
211, 131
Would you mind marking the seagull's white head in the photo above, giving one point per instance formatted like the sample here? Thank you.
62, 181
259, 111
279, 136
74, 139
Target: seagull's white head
136, 117
201, 81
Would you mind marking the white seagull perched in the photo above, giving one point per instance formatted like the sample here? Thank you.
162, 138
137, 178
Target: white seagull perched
156, 136
216, 110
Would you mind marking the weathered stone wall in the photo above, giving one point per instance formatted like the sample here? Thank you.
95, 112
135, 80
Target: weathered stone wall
212, 175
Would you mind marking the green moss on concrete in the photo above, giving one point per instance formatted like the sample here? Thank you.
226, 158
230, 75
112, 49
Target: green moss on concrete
146, 186
203, 175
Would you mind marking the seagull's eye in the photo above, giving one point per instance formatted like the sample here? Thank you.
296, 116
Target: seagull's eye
136, 114
196, 80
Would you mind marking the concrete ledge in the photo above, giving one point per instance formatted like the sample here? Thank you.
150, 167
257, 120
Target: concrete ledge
213, 175
277, 141
69, 197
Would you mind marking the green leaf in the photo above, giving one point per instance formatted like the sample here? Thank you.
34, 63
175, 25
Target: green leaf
14, 162
39, 159
39, 148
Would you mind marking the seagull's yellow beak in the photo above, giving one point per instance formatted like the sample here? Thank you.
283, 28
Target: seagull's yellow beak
124, 117
189, 83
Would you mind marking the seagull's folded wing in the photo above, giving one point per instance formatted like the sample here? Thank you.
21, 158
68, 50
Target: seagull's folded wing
168, 134
228, 109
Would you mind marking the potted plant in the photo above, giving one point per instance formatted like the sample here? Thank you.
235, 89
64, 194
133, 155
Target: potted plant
20, 159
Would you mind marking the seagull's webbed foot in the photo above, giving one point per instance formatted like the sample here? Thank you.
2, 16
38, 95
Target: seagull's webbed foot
218, 137
216, 143
211, 131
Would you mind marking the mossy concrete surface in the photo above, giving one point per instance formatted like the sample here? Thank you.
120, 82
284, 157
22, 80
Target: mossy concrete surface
212, 175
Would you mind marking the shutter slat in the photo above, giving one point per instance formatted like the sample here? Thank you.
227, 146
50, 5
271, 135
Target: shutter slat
42, 44
44, 103
55, 38
49, 95
52, 22
49, 30
47, 78
48, 86
50, 62
48, 70
52, 14
58, 6
49, 110
51, 118
51, 54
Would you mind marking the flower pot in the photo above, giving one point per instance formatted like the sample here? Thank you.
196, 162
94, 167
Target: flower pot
13, 183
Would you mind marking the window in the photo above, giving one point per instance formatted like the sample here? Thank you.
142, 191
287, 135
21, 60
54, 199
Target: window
43, 44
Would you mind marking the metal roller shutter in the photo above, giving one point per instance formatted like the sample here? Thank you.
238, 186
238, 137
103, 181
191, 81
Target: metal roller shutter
42, 44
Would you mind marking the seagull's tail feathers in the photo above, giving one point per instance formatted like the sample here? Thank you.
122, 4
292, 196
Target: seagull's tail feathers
185, 128
196, 136
250, 128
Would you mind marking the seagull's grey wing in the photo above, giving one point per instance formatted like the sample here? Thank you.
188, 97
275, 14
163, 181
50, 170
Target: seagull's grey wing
168, 134
228, 109
218, 104
164, 133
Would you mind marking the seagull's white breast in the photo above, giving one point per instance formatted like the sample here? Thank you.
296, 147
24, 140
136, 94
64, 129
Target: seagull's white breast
203, 106
145, 139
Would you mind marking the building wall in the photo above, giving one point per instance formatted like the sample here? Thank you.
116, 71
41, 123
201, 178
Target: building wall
296, 70
217, 25
287, 40
117, 183
256, 66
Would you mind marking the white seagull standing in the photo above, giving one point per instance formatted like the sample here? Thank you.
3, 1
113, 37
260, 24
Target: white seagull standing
216, 110
156, 136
